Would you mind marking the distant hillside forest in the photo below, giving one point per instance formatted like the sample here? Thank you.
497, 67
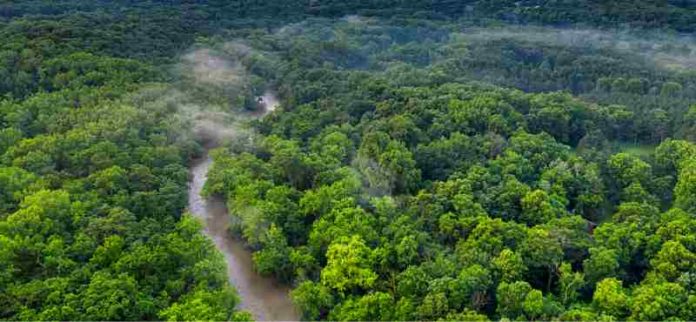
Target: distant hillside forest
673, 14
429, 160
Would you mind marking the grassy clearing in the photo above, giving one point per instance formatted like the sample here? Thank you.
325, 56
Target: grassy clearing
639, 150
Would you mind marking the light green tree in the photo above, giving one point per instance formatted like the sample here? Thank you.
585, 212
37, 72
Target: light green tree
348, 265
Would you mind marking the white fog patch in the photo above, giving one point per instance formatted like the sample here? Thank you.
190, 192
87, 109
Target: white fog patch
208, 68
212, 89
668, 51
269, 102
356, 19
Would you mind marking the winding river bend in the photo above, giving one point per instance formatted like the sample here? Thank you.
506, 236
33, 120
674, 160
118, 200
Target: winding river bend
264, 298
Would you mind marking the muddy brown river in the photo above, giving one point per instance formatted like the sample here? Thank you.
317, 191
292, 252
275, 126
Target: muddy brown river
264, 298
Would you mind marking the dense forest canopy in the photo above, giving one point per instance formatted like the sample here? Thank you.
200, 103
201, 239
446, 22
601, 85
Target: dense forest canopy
674, 14
456, 160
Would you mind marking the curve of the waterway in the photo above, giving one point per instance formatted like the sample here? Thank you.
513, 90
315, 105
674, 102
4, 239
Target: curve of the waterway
263, 297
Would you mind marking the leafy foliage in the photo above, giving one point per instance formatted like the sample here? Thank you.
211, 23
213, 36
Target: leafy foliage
427, 161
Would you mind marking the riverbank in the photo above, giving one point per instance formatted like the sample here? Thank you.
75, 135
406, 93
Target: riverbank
263, 297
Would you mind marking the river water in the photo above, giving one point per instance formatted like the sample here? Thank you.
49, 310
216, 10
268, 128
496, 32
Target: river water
263, 297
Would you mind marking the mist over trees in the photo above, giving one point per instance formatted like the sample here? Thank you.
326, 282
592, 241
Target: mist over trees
429, 160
